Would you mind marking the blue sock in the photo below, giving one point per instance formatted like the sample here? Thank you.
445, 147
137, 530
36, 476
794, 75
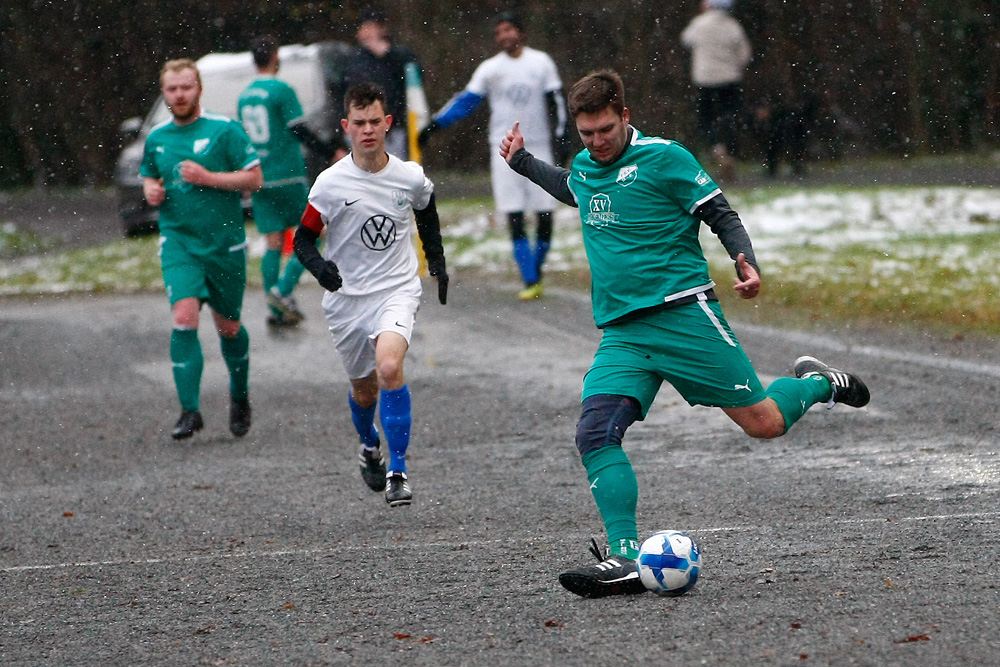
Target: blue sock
364, 421
525, 261
395, 416
541, 250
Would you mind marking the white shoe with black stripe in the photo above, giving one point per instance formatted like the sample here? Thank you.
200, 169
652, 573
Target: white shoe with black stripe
847, 387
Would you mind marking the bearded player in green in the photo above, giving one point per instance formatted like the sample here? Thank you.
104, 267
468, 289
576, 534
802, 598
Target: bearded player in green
642, 201
272, 117
194, 168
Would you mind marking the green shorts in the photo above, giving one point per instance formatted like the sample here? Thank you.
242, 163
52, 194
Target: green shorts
690, 346
217, 279
277, 208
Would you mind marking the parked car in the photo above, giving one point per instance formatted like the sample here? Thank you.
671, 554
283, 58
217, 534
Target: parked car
307, 69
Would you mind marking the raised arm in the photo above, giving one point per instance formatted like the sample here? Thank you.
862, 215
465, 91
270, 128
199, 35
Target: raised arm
552, 179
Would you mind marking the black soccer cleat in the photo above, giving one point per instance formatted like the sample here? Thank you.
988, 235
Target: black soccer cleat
239, 417
397, 490
613, 575
286, 305
189, 422
279, 321
847, 387
372, 468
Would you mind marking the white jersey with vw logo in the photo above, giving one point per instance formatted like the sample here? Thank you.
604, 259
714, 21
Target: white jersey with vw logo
516, 89
369, 222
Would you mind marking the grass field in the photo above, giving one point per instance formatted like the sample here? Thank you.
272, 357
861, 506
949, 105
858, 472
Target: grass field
906, 256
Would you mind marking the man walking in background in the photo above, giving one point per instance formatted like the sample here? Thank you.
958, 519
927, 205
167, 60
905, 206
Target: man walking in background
195, 167
720, 51
521, 84
271, 114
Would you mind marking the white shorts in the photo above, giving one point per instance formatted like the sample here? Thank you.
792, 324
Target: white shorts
356, 321
513, 192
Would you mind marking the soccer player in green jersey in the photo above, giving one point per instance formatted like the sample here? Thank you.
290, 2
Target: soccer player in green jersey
272, 117
194, 168
642, 201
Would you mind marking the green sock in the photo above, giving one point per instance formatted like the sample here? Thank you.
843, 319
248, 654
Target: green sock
270, 267
187, 362
795, 396
236, 352
290, 277
613, 483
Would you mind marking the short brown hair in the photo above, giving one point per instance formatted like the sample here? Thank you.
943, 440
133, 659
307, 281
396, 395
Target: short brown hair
263, 49
177, 65
362, 96
596, 92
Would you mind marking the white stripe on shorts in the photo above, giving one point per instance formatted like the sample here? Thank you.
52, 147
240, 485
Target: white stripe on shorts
703, 302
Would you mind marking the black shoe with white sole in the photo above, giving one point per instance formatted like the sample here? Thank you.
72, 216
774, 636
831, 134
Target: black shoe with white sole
613, 575
372, 468
397, 489
239, 417
847, 387
189, 422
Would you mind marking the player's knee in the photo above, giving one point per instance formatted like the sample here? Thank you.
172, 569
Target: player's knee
186, 313
275, 240
604, 420
228, 328
765, 426
390, 373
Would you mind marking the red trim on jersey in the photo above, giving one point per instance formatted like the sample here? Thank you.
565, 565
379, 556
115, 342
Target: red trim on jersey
312, 219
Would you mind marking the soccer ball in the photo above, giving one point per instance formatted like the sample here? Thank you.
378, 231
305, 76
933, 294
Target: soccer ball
669, 562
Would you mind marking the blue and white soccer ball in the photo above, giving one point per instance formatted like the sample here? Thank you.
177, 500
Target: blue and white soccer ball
669, 562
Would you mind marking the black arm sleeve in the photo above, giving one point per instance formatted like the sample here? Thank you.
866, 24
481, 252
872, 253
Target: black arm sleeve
429, 228
305, 248
310, 140
726, 224
556, 103
552, 179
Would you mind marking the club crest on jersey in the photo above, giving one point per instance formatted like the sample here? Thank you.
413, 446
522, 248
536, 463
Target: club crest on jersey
702, 178
201, 145
600, 213
399, 198
378, 233
627, 175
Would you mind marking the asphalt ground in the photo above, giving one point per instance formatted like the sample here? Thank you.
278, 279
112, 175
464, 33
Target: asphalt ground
862, 537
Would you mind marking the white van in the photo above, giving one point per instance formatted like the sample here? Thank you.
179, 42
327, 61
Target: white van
223, 78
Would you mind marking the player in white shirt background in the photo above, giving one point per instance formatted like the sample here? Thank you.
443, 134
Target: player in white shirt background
368, 203
522, 85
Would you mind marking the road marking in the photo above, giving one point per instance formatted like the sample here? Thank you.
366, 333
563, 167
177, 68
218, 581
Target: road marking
854, 522
14, 569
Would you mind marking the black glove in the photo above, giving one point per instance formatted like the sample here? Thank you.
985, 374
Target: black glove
426, 133
328, 275
560, 150
436, 268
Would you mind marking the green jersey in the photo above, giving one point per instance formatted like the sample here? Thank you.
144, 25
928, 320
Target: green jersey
639, 227
266, 108
205, 220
